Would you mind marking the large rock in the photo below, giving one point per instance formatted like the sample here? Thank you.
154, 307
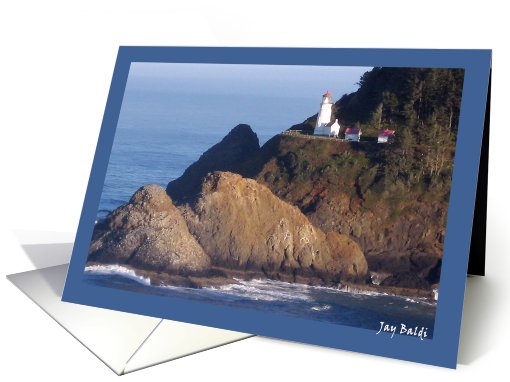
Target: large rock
240, 145
149, 233
241, 225
340, 188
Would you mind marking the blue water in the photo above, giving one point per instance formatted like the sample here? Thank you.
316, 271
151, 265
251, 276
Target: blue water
155, 144
296, 300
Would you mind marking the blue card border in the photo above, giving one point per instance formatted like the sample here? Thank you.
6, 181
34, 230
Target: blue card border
442, 349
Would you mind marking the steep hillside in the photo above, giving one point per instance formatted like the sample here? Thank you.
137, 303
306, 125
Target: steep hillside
342, 187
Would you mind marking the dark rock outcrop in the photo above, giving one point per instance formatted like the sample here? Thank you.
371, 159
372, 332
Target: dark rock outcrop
411, 242
405, 280
241, 224
148, 233
240, 145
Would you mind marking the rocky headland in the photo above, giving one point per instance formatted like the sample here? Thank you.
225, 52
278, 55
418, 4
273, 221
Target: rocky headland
359, 215
234, 227
280, 211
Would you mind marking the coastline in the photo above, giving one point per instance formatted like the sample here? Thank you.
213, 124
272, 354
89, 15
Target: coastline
219, 277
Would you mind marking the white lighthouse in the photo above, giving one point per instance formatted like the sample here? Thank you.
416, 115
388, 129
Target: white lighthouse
324, 125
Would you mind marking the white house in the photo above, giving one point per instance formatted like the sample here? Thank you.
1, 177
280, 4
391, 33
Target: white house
385, 135
331, 129
352, 134
324, 125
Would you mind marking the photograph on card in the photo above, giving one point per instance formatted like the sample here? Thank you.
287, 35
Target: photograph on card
317, 192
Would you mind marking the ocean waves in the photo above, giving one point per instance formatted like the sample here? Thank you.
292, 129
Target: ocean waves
254, 290
118, 270
265, 290
348, 306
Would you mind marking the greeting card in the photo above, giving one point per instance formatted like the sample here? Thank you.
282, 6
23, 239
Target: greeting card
324, 196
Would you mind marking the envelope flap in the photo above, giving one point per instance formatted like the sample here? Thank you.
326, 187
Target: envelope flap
110, 335
172, 339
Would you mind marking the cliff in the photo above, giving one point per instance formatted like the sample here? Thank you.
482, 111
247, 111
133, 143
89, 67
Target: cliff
242, 225
235, 227
340, 187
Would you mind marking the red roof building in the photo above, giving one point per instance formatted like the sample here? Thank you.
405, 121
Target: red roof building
384, 135
352, 134
352, 130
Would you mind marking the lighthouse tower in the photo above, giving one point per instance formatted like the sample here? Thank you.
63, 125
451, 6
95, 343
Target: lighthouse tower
325, 110
324, 126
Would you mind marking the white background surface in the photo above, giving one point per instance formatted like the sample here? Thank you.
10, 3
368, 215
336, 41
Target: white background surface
56, 62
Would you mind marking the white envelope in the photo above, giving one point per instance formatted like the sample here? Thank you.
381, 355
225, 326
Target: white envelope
124, 342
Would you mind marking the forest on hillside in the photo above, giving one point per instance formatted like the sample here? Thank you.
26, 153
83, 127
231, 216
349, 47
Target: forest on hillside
422, 105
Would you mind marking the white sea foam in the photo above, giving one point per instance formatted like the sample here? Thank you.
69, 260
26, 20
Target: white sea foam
321, 308
356, 291
256, 289
116, 269
272, 290
265, 290
420, 300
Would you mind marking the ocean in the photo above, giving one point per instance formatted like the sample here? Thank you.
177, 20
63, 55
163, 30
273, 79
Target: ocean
362, 310
153, 145
163, 129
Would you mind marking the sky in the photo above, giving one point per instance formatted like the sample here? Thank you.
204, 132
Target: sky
285, 80
270, 98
